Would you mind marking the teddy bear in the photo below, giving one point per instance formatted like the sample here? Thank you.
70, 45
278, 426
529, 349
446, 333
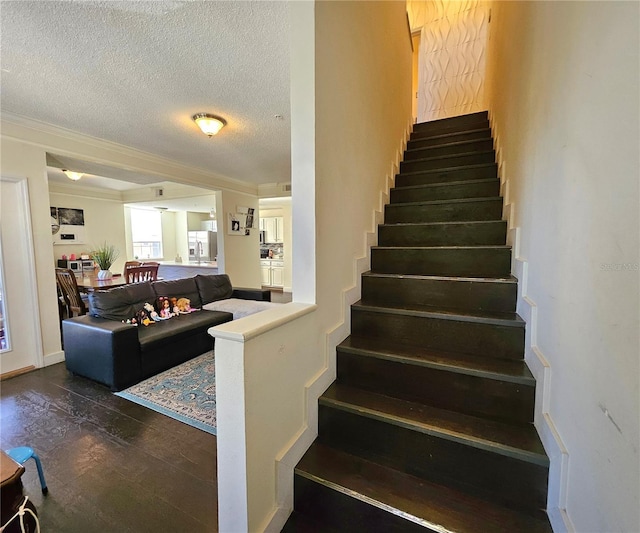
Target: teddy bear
184, 305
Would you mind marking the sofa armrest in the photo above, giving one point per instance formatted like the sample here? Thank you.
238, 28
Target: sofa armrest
104, 350
262, 295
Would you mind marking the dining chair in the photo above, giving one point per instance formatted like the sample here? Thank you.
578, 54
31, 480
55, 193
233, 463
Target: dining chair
69, 288
130, 264
142, 273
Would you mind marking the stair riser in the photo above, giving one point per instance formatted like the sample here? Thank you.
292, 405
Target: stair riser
452, 138
472, 395
444, 212
507, 480
481, 145
448, 162
447, 175
442, 293
473, 338
459, 123
462, 262
482, 189
333, 509
491, 233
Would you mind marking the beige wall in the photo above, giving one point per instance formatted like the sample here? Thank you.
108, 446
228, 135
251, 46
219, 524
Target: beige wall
103, 222
23, 160
562, 87
350, 115
238, 255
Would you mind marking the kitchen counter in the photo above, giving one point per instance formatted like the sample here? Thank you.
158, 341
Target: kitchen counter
169, 270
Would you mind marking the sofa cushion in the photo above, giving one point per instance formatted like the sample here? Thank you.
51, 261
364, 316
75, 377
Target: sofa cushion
213, 287
178, 288
179, 327
121, 303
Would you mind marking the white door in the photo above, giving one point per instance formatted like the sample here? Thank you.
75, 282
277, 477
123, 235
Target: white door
22, 347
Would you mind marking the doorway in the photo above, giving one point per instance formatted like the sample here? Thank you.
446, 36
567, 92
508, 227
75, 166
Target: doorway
21, 348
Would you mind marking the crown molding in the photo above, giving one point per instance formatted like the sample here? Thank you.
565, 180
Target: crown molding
66, 142
74, 189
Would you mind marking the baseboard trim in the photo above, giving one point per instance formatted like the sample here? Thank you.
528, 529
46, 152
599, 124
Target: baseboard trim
536, 361
53, 358
17, 372
299, 444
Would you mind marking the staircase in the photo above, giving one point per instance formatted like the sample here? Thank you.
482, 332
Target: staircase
428, 426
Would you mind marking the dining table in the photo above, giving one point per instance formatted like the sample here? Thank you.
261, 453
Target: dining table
89, 282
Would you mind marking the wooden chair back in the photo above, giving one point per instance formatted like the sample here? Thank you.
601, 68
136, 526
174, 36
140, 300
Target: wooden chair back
130, 264
68, 287
141, 273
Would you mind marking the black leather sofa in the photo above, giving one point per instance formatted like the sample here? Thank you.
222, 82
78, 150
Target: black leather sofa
101, 347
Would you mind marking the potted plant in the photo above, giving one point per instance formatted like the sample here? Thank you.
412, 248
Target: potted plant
104, 256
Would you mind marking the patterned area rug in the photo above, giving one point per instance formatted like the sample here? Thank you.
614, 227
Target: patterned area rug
186, 392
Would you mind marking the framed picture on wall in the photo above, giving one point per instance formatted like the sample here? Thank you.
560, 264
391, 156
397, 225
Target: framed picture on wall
235, 224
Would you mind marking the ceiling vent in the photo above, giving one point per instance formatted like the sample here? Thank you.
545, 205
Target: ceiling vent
158, 192
286, 187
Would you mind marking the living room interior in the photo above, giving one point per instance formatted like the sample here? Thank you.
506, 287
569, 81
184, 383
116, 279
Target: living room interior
330, 98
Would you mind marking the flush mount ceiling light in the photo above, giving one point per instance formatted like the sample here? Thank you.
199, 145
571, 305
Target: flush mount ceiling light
75, 176
209, 124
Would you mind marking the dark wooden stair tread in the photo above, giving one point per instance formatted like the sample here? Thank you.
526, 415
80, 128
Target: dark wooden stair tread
299, 523
447, 201
510, 279
478, 317
515, 441
488, 367
446, 169
449, 144
444, 184
445, 136
435, 507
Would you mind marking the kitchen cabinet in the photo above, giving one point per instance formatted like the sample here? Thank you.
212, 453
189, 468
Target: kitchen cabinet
272, 273
273, 228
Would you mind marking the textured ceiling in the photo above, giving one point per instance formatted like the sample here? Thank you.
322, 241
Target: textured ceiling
135, 72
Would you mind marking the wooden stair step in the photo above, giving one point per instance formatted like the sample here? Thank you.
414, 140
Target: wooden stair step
456, 173
448, 210
515, 441
447, 233
460, 123
487, 388
466, 293
451, 148
472, 334
394, 501
482, 261
448, 161
451, 190
487, 368
446, 138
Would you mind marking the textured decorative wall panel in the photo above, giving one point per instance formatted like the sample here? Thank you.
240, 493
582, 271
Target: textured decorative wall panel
452, 56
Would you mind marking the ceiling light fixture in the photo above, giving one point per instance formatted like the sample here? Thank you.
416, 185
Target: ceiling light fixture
75, 176
209, 124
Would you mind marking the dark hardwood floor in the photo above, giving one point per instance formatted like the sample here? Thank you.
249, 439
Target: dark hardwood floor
280, 297
110, 464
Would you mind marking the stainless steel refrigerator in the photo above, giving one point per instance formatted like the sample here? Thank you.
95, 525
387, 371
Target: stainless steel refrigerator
203, 245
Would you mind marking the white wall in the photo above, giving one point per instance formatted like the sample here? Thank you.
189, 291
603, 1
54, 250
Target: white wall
103, 222
24, 160
348, 129
452, 55
562, 87
238, 255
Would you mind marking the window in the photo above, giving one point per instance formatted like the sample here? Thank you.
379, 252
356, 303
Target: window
146, 234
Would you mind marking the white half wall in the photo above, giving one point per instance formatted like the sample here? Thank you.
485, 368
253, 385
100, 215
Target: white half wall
562, 85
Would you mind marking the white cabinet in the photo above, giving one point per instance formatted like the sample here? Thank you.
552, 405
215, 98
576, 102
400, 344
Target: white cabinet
272, 273
273, 228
